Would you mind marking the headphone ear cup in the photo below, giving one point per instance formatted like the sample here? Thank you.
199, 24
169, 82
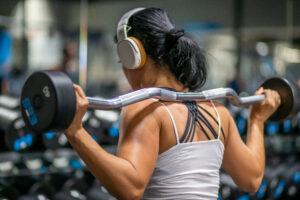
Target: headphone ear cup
141, 50
131, 53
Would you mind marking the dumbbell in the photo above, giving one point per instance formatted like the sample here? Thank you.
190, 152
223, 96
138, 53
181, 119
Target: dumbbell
98, 192
22, 183
62, 161
93, 125
8, 174
272, 128
262, 191
8, 163
241, 121
288, 186
54, 140
279, 179
109, 126
7, 191
48, 100
9, 102
16, 136
287, 126
39, 190
76, 187
293, 190
287, 189
228, 189
42, 174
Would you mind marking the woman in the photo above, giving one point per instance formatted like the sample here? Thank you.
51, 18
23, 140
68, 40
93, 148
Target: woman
172, 150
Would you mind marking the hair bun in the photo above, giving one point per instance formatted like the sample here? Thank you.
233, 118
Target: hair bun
176, 34
172, 36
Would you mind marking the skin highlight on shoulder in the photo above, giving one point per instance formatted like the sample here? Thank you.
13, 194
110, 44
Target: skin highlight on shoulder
134, 114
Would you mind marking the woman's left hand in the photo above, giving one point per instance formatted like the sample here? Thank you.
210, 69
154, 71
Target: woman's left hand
81, 107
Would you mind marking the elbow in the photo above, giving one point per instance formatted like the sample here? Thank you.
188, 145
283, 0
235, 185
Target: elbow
134, 194
253, 185
254, 182
255, 179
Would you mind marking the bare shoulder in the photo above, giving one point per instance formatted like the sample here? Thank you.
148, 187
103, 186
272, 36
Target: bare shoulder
140, 111
221, 108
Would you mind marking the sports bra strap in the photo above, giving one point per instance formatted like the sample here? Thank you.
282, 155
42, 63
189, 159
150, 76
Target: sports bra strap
218, 118
172, 119
174, 123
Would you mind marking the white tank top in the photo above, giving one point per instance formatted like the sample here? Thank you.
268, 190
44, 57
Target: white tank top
187, 170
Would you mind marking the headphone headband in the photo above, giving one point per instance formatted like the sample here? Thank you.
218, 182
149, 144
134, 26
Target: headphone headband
122, 25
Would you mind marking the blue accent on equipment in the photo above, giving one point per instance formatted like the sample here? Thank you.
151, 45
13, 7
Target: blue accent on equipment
279, 189
49, 135
29, 111
272, 128
23, 142
262, 190
243, 197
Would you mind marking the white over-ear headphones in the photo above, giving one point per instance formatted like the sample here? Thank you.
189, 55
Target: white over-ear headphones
130, 49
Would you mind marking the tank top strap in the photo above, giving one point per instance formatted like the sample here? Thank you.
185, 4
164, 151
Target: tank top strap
172, 119
218, 118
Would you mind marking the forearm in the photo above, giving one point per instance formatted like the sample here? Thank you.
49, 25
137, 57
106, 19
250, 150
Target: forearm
117, 175
255, 143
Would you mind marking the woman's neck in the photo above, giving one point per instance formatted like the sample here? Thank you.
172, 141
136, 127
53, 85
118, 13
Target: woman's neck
168, 81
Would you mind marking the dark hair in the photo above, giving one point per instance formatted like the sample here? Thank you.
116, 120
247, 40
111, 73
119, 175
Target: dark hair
166, 45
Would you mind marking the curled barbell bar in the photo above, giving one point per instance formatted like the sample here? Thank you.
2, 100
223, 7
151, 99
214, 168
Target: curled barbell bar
48, 100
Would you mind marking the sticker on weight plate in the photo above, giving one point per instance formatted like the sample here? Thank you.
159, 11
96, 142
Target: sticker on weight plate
46, 91
26, 104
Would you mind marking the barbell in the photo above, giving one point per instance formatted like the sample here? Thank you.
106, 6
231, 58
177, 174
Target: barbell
48, 100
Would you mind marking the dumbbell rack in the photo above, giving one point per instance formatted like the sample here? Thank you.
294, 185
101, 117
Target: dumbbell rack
282, 172
31, 173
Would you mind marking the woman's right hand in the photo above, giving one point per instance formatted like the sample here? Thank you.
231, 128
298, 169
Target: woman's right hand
262, 111
81, 107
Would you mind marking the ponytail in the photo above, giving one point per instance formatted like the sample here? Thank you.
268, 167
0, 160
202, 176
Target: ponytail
187, 62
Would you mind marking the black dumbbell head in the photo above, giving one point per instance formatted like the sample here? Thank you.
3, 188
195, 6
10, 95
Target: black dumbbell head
18, 137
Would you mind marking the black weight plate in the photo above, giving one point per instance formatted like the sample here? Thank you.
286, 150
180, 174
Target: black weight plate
66, 100
286, 92
48, 101
38, 118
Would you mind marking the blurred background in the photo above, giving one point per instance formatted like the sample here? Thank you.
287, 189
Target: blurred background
246, 41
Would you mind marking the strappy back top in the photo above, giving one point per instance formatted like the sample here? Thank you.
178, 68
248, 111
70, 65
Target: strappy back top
189, 170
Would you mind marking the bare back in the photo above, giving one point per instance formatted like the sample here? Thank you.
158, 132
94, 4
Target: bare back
180, 114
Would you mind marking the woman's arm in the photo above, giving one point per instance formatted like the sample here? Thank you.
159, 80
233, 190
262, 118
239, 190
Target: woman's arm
246, 162
126, 175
